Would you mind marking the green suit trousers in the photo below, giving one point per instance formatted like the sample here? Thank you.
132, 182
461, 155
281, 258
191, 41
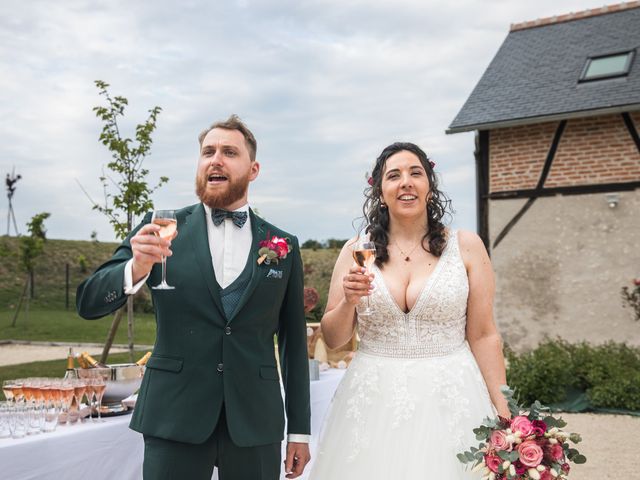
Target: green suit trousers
171, 460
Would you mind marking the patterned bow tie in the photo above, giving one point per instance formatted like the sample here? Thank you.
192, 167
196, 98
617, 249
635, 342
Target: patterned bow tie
238, 218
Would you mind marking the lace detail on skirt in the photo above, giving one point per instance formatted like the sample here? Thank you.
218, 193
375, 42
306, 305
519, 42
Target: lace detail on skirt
362, 386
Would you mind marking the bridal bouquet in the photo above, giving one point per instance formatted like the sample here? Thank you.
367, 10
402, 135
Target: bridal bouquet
530, 445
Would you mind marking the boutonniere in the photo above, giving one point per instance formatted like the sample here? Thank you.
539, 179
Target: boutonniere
273, 250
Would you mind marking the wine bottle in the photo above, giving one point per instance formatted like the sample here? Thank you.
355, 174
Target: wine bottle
143, 360
81, 361
71, 373
92, 362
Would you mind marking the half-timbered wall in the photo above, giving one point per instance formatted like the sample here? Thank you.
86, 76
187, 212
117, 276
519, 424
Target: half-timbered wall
560, 268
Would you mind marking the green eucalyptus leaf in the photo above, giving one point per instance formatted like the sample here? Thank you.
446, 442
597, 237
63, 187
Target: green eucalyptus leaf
579, 459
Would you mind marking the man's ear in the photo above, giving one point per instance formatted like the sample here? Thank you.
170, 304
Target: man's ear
255, 169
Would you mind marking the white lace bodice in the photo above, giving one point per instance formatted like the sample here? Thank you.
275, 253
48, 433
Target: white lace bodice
435, 325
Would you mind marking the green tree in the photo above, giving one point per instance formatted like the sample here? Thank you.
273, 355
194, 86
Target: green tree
127, 194
312, 244
31, 247
335, 243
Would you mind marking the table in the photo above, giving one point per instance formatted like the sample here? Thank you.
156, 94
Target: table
110, 450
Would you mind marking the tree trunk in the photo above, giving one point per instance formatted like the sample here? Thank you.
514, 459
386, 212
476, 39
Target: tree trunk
130, 326
112, 334
24, 292
28, 297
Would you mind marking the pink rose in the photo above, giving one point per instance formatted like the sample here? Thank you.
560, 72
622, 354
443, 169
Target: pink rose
493, 462
499, 440
539, 427
530, 453
636, 282
523, 425
556, 452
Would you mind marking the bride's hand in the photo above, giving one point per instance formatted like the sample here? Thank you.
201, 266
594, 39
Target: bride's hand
356, 284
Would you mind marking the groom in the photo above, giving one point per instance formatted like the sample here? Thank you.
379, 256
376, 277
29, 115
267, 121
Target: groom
211, 392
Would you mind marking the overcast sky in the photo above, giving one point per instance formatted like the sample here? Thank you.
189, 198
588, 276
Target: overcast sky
324, 85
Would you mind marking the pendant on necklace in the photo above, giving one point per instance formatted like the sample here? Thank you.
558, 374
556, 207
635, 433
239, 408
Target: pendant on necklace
406, 259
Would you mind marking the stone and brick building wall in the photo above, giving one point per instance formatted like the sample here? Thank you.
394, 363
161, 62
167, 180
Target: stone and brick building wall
592, 150
560, 269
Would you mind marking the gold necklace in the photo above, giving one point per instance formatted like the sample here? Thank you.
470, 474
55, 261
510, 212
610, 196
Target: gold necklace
407, 257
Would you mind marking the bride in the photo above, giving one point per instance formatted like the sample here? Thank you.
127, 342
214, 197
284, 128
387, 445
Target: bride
429, 366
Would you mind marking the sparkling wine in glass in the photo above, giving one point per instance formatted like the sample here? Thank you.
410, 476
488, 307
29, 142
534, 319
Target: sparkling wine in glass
166, 219
7, 388
89, 393
99, 386
364, 253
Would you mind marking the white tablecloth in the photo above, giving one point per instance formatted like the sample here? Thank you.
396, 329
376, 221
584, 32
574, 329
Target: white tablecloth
110, 450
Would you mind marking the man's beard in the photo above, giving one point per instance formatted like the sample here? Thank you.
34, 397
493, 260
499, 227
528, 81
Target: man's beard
236, 189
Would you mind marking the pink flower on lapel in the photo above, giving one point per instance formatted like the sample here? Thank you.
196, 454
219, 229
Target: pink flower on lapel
273, 250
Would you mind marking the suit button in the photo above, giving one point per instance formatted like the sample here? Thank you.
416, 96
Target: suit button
227, 330
220, 368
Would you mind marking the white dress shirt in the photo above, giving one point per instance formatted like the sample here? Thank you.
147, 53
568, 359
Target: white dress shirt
230, 247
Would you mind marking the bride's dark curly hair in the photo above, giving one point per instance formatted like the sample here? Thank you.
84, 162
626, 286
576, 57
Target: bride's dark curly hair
377, 216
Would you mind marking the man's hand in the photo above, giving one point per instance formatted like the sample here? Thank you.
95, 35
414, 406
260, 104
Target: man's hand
297, 458
148, 249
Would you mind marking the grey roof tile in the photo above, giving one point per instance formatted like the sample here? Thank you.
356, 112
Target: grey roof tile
535, 72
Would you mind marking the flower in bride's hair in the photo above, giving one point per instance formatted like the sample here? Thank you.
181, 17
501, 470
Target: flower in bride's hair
369, 179
432, 163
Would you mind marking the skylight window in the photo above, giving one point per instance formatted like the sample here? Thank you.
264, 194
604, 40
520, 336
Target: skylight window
607, 66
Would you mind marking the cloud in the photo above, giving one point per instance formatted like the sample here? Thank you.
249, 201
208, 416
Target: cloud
325, 85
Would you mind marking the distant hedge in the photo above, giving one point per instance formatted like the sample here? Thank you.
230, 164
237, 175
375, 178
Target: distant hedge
609, 374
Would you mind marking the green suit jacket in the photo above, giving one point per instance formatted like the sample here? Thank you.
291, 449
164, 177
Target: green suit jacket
201, 359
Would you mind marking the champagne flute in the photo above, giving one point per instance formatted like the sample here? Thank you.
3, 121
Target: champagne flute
51, 411
364, 253
166, 219
66, 397
99, 386
89, 393
5, 430
8, 386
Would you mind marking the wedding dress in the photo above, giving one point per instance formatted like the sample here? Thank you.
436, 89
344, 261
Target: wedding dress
413, 394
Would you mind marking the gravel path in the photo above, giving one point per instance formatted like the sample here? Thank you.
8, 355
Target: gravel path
608, 442
13, 354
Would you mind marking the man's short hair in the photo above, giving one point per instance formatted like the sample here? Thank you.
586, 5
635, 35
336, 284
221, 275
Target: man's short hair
234, 123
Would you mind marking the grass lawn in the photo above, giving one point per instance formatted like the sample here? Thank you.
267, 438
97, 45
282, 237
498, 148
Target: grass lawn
51, 325
52, 368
